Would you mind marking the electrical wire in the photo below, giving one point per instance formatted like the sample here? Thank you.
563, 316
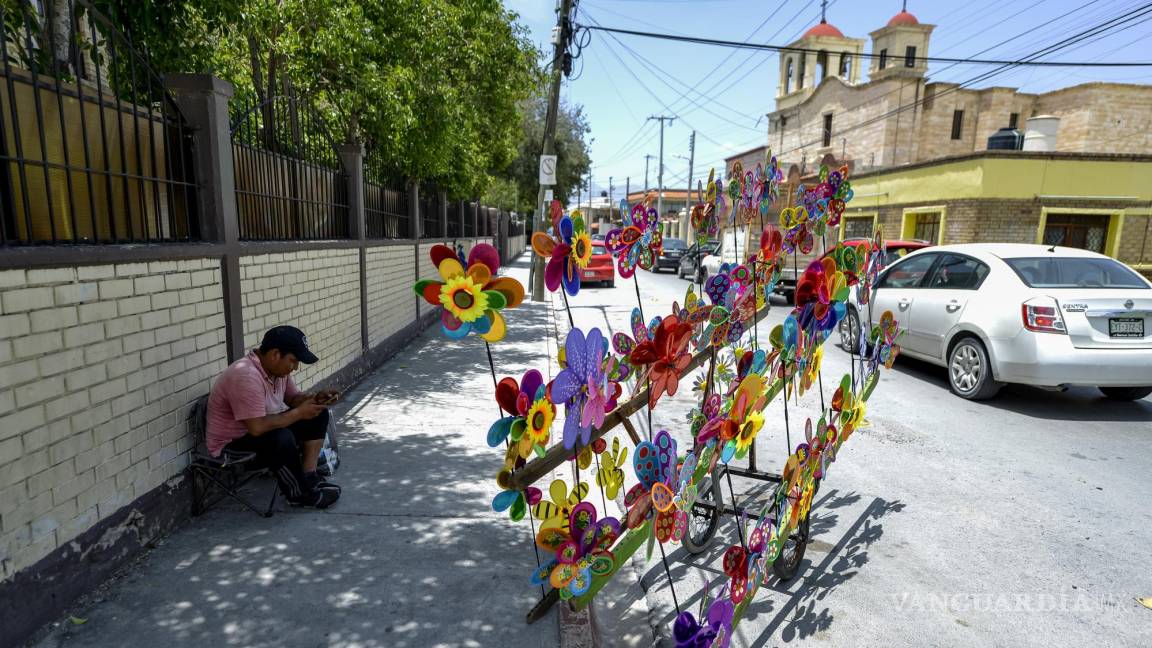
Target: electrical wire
807, 50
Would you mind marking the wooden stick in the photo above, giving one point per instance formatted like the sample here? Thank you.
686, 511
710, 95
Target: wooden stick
536, 469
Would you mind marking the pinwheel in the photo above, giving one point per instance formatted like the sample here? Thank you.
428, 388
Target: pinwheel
581, 550
639, 242
624, 344
516, 502
609, 475
655, 466
570, 250
732, 305
472, 299
883, 338
665, 356
555, 511
582, 385
531, 414
715, 632
737, 430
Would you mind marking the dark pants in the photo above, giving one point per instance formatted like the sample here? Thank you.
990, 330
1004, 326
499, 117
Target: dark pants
279, 450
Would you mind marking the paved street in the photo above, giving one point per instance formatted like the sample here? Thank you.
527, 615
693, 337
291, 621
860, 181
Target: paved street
1017, 521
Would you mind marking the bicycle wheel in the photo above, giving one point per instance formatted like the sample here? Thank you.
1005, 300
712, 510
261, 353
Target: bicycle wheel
788, 563
703, 521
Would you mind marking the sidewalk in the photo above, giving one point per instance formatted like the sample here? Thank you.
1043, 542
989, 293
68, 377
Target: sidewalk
411, 556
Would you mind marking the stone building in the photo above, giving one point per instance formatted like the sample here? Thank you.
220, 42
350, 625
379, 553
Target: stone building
898, 116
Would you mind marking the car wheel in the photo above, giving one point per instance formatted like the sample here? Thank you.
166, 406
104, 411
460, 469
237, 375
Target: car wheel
612, 283
1125, 393
849, 330
969, 372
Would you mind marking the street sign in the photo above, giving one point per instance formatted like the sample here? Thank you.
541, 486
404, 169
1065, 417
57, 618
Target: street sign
547, 170
547, 196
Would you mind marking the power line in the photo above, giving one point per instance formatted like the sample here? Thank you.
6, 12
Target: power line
806, 50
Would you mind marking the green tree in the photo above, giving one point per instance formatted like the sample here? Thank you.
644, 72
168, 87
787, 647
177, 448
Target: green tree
430, 86
522, 177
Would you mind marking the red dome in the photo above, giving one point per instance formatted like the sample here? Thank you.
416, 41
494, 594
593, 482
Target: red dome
903, 18
824, 29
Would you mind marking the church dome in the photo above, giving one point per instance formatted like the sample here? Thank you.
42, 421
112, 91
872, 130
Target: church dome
903, 18
825, 29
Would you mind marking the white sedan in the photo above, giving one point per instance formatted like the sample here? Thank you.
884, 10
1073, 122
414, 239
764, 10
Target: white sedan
995, 313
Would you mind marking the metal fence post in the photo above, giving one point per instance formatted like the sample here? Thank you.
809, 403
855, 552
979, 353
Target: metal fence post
476, 218
352, 157
203, 99
442, 212
415, 222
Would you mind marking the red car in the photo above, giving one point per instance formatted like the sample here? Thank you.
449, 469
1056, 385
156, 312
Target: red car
602, 267
894, 250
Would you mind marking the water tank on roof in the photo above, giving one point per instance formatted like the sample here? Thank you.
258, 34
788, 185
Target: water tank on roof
1006, 139
1040, 133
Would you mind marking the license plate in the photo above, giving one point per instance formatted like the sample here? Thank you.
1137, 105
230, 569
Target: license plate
1126, 327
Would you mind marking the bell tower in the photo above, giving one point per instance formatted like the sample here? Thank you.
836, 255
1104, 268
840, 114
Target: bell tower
899, 48
822, 52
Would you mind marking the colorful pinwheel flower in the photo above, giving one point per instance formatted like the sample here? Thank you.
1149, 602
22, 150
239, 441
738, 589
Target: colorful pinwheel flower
582, 386
531, 414
581, 550
738, 428
639, 242
516, 502
555, 511
472, 299
655, 466
666, 357
570, 250
715, 632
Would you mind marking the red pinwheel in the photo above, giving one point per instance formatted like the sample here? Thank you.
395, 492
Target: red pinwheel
666, 356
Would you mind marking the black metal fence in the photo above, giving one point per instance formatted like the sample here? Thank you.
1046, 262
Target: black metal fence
290, 181
385, 207
92, 147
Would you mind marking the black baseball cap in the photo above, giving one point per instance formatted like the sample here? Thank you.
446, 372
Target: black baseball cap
289, 339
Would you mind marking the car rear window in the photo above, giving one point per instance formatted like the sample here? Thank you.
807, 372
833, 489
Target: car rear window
674, 244
599, 249
1074, 272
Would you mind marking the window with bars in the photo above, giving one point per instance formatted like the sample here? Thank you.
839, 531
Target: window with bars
926, 227
1084, 231
828, 129
1013, 120
857, 227
910, 56
883, 58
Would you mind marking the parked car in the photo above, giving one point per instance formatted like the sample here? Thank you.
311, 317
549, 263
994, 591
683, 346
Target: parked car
687, 268
723, 253
602, 268
995, 313
673, 249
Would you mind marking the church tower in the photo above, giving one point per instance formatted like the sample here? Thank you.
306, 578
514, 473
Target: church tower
899, 48
827, 53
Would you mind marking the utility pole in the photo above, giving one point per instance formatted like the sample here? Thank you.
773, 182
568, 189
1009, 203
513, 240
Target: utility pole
561, 34
611, 213
589, 193
660, 170
627, 190
646, 158
691, 162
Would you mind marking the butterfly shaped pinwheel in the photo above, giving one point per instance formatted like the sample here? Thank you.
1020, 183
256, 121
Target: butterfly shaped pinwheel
555, 512
610, 475
639, 242
655, 465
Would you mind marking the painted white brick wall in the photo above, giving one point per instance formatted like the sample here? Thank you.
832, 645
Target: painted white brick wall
391, 301
317, 291
98, 368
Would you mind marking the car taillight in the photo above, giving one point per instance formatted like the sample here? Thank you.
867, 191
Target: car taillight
1042, 319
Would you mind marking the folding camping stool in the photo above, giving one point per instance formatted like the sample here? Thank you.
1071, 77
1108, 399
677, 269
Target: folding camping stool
227, 473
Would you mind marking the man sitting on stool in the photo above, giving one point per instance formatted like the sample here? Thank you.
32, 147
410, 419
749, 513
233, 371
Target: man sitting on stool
255, 407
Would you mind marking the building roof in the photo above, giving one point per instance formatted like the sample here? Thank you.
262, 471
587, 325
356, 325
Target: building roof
824, 29
903, 18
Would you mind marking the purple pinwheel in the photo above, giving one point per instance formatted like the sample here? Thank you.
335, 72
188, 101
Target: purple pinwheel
582, 385
639, 242
715, 632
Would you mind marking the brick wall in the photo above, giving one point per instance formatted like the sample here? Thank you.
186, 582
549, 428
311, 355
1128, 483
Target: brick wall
98, 365
391, 302
317, 291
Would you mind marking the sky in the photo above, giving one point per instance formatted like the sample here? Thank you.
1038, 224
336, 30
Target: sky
723, 93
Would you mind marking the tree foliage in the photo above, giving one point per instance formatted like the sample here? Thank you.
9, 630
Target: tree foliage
432, 87
521, 182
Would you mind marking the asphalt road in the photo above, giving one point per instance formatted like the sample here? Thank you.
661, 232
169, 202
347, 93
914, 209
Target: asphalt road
1023, 520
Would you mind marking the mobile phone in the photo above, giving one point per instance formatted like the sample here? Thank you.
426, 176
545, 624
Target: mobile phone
329, 399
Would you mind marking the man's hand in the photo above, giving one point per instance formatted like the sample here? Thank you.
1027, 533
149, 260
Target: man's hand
309, 409
326, 396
